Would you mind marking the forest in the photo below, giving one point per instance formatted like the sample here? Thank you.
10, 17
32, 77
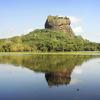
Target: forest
46, 40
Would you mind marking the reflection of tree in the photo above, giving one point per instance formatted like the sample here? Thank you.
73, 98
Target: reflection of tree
58, 68
45, 63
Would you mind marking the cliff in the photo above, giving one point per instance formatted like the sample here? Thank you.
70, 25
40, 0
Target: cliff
59, 24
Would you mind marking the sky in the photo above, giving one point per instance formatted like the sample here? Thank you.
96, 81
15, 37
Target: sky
18, 17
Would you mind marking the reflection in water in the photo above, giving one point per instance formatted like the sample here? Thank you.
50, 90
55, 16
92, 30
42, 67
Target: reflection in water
58, 78
29, 77
57, 68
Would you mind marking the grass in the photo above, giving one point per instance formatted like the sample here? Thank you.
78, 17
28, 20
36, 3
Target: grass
55, 53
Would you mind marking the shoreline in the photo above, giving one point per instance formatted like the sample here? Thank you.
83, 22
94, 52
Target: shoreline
97, 53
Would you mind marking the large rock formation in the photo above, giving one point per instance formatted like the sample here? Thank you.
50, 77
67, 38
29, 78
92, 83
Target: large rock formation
60, 24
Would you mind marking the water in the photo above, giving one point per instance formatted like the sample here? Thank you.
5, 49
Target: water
49, 77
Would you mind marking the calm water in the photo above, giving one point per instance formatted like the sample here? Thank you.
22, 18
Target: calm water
49, 77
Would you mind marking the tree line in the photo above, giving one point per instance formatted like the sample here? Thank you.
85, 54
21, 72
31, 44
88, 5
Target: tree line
47, 41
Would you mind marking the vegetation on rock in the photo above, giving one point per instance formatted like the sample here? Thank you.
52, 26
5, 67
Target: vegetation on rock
48, 40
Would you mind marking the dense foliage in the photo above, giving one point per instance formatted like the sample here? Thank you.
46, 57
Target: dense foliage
45, 40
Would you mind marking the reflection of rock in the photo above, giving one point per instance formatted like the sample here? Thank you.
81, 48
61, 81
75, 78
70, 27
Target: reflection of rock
58, 68
58, 78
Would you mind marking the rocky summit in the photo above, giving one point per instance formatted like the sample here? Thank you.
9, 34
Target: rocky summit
60, 24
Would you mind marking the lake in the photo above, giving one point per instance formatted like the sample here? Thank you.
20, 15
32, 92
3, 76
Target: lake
49, 77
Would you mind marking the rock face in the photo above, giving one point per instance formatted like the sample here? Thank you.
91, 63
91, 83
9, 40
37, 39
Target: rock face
60, 24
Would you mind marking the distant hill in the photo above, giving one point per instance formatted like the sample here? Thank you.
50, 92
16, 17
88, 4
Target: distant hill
57, 36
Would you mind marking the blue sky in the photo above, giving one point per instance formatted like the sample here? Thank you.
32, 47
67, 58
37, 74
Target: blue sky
18, 17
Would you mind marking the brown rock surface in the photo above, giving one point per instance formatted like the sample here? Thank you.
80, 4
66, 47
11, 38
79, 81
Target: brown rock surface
60, 24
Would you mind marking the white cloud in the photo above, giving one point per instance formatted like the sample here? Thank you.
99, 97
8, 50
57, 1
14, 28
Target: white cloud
78, 29
76, 24
74, 20
77, 70
29, 30
75, 81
